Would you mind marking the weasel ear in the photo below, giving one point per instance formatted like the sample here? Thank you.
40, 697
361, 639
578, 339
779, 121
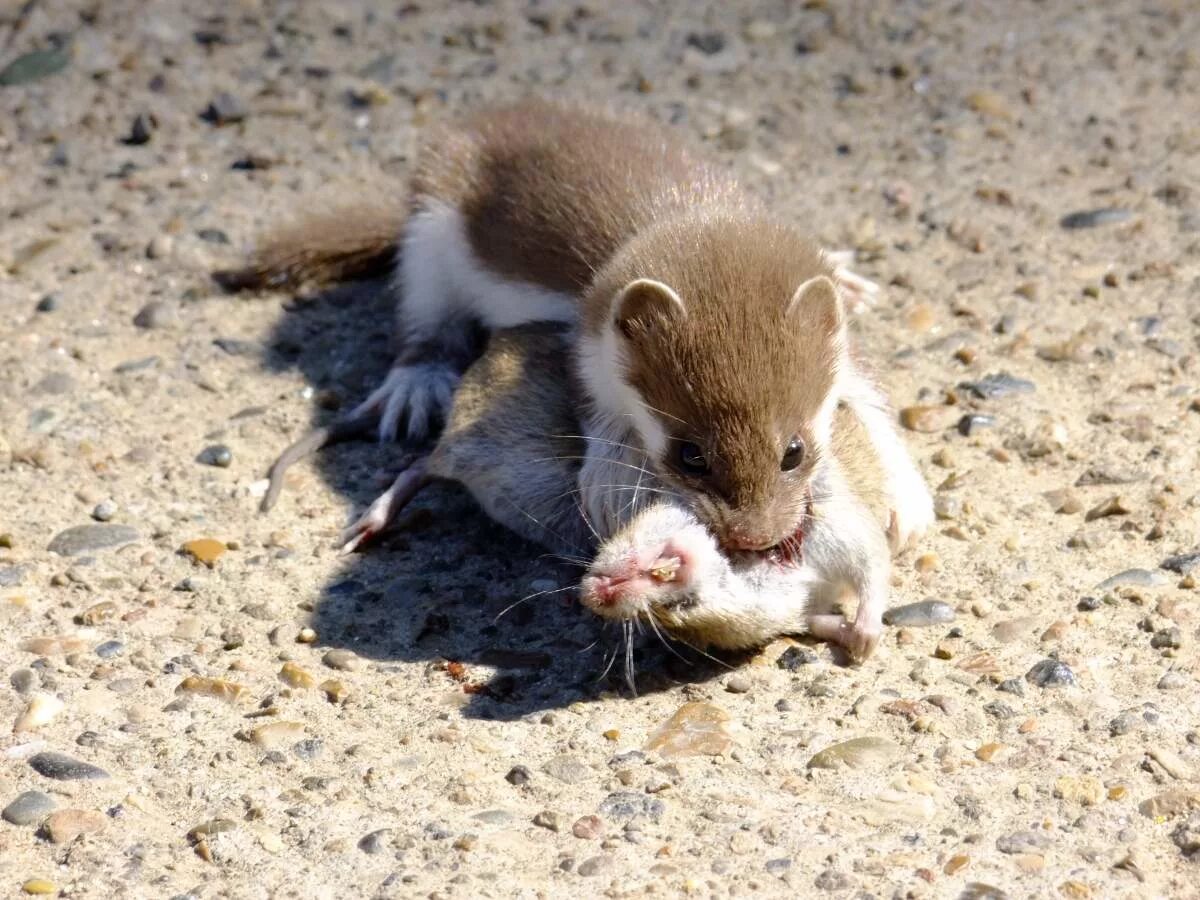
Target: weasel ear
818, 301
643, 304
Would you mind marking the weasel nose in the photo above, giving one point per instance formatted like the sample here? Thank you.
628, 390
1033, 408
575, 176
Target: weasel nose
746, 537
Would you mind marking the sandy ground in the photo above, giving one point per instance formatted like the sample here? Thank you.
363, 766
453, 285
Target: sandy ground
1045, 743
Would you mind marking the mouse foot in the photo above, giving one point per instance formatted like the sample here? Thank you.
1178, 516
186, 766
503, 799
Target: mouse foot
413, 393
383, 511
858, 638
857, 292
911, 514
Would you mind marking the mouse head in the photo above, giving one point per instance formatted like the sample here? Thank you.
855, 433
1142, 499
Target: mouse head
725, 337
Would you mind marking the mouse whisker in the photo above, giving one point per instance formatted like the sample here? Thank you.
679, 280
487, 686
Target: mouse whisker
653, 623
513, 606
629, 667
690, 646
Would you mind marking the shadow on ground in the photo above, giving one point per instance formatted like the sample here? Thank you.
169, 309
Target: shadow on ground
448, 585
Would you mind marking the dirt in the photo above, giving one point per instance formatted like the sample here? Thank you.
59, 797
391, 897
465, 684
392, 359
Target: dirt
1044, 743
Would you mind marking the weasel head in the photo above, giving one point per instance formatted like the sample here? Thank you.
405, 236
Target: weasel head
720, 338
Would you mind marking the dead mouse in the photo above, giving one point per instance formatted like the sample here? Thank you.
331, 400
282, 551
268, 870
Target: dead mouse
511, 438
709, 338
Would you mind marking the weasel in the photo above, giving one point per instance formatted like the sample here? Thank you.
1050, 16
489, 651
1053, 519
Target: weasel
710, 338
511, 438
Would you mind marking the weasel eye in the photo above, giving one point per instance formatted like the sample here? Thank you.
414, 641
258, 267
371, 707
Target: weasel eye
691, 457
793, 455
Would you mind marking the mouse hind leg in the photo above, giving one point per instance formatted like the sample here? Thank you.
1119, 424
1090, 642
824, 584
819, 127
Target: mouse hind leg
383, 511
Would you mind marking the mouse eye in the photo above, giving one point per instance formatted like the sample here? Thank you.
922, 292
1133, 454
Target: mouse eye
691, 458
793, 455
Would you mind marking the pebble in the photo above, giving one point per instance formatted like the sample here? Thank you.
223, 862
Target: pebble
973, 422
309, 748
156, 315
1134, 578
1175, 802
1182, 564
64, 826
225, 109
375, 842
518, 775
1187, 836
1094, 218
1086, 790
12, 576
294, 676
1113, 506
216, 455
161, 246
104, 510
109, 649
588, 828
567, 769
219, 688
1000, 384
1050, 673
50, 303
204, 550
1172, 763
696, 729
793, 658
39, 886
61, 767
342, 660
597, 865
41, 709
549, 820
624, 806
919, 615
978, 890
334, 691
1022, 842
28, 808
92, 538
927, 419
1167, 638
274, 735
857, 753
1172, 681
1102, 474
22, 680
738, 684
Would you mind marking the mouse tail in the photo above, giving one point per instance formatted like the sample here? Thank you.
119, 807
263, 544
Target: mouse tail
348, 243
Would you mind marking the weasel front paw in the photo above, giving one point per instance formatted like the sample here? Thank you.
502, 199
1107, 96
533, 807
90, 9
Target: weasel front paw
911, 513
416, 394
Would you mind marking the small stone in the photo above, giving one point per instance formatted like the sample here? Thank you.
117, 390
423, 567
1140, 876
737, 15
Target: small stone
1086, 790
1172, 681
61, 767
204, 550
927, 562
227, 691
709, 43
1113, 506
597, 865
275, 735
104, 510
141, 130
1050, 673
39, 886
1134, 578
49, 303
1175, 802
41, 709
294, 676
1187, 836
793, 658
696, 729
64, 826
92, 538
334, 691
98, 613
588, 828
551, 821
22, 680
567, 769
1125, 723
1171, 763
28, 808
919, 615
342, 660
1094, 218
989, 103
225, 109
156, 315
738, 684
856, 753
956, 863
973, 422
518, 775
161, 246
110, 649
988, 752
306, 635
927, 419
1183, 564
625, 806
1167, 638
308, 749
217, 455
1022, 842
1000, 384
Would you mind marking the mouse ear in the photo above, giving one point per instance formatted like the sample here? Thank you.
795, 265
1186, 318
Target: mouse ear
644, 303
818, 301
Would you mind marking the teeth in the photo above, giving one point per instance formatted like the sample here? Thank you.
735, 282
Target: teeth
665, 569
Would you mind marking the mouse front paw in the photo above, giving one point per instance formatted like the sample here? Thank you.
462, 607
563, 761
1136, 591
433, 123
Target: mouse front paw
911, 513
858, 293
859, 638
412, 397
